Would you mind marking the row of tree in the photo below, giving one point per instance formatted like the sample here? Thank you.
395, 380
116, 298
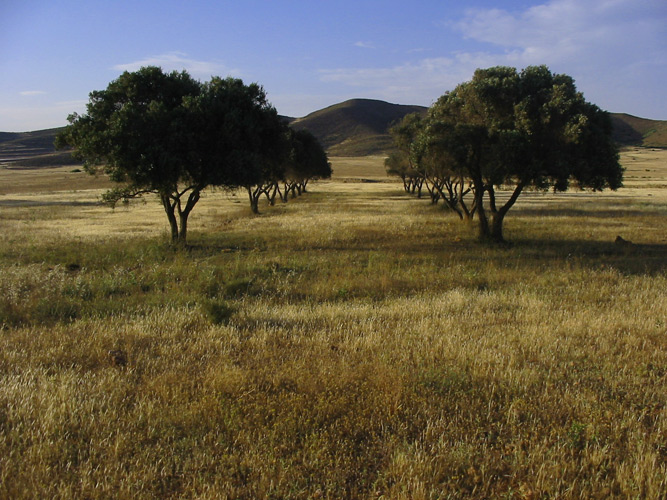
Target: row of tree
505, 129
169, 134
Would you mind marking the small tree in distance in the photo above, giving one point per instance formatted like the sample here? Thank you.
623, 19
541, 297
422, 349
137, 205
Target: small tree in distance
293, 158
401, 162
171, 135
308, 161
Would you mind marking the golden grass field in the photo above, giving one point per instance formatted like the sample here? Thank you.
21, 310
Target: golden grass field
356, 342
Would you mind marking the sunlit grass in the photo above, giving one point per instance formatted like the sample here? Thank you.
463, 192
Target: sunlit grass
353, 343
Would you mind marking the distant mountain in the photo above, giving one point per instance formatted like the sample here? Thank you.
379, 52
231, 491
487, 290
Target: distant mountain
358, 127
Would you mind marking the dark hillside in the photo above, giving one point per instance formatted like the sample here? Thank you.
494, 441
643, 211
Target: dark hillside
32, 148
40, 141
634, 131
356, 127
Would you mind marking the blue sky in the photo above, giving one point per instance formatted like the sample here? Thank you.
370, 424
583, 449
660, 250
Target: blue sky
309, 55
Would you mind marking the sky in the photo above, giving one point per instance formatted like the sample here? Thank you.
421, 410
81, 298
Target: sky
309, 55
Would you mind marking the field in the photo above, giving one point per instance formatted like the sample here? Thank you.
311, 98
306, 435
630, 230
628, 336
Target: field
356, 342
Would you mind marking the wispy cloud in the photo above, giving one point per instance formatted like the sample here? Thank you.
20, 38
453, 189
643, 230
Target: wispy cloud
416, 50
365, 45
409, 82
29, 93
561, 30
180, 61
609, 46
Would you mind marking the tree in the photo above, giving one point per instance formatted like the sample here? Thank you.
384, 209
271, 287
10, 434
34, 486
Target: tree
238, 132
307, 161
170, 135
527, 129
276, 149
405, 163
426, 157
398, 164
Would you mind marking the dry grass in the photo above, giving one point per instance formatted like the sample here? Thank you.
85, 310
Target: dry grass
353, 343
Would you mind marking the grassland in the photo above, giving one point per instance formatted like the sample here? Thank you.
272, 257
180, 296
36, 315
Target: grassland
353, 343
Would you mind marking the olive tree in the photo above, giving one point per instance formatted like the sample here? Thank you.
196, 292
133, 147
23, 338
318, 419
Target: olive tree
237, 131
168, 134
404, 163
306, 161
518, 130
425, 157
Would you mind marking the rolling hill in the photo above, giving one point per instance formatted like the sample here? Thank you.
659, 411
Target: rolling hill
32, 149
358, 127
633, 131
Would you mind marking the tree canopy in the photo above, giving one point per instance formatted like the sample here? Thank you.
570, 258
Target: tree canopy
506, 128
169, 134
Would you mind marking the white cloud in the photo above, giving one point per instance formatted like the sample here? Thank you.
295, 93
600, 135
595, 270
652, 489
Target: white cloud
613, 48
29, 93
180, 61
559, 30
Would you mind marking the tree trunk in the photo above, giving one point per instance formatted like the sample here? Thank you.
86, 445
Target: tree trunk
499, 215
183, 214
254, 202
484, 230
478, 191
271, 194
183, 233
171, 201
170, 209
497, 227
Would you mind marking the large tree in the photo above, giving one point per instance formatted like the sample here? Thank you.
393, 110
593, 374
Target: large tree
518, 130
168, 134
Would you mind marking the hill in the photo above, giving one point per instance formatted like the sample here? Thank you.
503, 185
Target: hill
633, 131
15, 146
358, 127
32, 149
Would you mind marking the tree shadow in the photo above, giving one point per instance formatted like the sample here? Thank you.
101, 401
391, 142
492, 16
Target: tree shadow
34, 203
596, 213
628, 258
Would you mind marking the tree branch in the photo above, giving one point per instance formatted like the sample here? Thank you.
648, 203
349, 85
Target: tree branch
113, 196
